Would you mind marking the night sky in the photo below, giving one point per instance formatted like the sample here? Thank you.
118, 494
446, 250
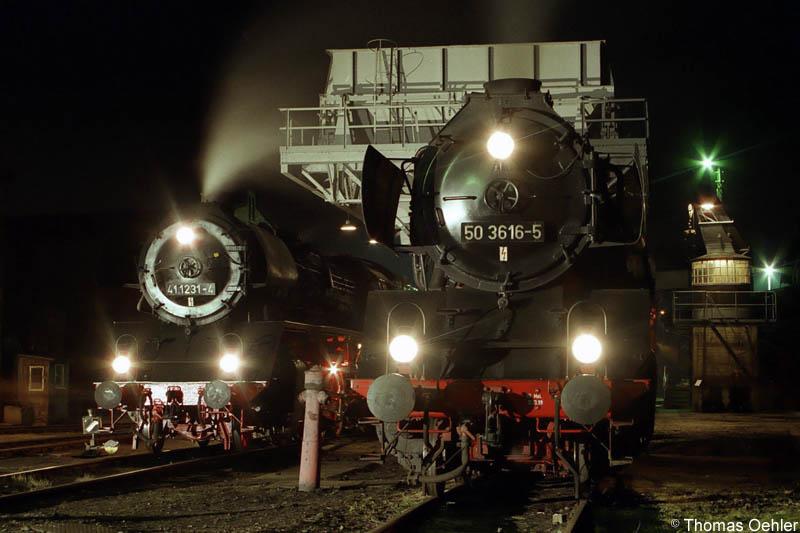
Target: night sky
107, 108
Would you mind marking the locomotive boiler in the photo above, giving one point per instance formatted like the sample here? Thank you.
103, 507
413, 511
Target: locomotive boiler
530, 341
234, 314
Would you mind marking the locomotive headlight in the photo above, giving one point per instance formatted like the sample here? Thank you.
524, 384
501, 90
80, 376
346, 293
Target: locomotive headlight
500, 145
230, 362
185, 235
403, 348
121, 364
587, 348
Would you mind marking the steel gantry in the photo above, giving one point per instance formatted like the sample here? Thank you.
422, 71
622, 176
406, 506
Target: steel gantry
397, 98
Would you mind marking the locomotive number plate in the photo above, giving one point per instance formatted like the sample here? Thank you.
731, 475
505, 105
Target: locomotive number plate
484, 232
191, 289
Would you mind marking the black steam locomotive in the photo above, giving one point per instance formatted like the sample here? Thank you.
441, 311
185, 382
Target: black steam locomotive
235, 316
530, 344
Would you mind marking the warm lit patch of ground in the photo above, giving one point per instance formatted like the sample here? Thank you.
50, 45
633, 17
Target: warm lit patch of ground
723, 468
356, 496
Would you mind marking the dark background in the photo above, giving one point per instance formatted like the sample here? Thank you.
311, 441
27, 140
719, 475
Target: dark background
112, 113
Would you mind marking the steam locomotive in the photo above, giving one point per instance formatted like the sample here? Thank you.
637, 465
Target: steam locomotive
235, 317
530, 344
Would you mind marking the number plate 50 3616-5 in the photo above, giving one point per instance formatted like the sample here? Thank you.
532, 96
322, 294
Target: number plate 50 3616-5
490, 233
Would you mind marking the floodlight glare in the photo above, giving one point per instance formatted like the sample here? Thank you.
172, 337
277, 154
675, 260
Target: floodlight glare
500, 145
708, 163
769, 270
587, 348
707, 206
229, 362
185, 235
121, 364
348, 226
403, 348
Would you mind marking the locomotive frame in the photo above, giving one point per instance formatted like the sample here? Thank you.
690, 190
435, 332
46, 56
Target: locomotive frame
234, 411
488, 383
216, 276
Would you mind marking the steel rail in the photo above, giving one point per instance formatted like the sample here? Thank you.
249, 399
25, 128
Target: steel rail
34, 446
416, 514
412, 517
83, 464
19, 501
56, 439
10, 429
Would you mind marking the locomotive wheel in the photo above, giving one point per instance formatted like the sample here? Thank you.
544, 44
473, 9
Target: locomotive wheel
237, 443
647, 413
151, 434
598, 453
433, 489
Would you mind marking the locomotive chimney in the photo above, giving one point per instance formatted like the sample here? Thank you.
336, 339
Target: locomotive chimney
507, 86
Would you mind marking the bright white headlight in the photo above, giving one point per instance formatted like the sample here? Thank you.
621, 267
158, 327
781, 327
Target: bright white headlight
121, 364
587, 348
185, 235
500, 145
229, 362
403, 348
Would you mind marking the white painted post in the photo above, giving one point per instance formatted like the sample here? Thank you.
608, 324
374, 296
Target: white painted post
313, 395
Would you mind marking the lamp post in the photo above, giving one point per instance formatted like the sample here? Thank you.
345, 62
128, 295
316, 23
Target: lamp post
769, 270
717, 176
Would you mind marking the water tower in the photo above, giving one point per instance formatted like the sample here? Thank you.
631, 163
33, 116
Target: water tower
722, 313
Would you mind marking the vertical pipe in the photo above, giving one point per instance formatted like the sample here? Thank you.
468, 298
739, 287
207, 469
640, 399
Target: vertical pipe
309, 456
556, 430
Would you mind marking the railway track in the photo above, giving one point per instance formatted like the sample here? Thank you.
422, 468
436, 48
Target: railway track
38, 486
260, 495
36, 446
52, 443
472, 509
59, 428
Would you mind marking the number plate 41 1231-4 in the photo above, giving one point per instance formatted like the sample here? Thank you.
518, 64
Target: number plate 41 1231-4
488, 233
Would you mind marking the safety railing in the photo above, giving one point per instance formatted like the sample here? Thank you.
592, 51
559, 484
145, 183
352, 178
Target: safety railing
346, 125
615, 118
724, 306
